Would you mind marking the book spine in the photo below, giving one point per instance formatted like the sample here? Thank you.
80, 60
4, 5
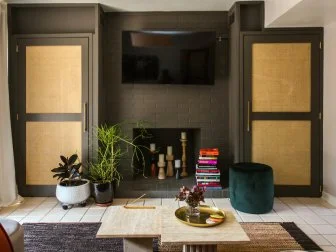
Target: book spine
208, 167
211, 162
208, 184
208, 180
207, 158
212, 188
207, 171
207, 174
208, 153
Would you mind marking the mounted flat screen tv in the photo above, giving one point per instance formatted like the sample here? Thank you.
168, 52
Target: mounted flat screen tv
168, 57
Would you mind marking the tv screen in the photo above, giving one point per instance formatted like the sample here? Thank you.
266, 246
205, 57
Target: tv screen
168, 57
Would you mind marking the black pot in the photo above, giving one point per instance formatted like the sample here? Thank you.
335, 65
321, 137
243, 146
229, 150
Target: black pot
103, 192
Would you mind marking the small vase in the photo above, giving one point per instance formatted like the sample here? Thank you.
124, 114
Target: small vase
193, 211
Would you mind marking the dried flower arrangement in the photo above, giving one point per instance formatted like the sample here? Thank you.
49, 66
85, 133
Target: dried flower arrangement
192, 197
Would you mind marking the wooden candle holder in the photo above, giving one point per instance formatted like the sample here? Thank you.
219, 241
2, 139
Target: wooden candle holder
170, 169
184, 158
162, 174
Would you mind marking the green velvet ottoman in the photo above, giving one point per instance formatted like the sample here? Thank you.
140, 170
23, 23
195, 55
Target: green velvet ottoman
251, 187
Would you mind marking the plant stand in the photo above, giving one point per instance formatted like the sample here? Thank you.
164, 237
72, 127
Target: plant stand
69, 206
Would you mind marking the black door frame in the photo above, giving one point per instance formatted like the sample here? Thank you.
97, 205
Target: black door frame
315, 37
18, 101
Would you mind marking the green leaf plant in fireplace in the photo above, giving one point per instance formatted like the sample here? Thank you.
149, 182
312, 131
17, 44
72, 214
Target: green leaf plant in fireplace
113, 145
72, 188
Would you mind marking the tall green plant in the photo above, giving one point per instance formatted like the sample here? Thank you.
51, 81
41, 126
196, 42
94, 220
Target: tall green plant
113, 144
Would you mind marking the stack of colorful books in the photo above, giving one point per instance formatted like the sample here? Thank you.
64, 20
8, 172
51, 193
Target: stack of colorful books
207, 172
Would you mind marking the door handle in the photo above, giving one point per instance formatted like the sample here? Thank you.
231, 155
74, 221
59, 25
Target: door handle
85, 116
248, 116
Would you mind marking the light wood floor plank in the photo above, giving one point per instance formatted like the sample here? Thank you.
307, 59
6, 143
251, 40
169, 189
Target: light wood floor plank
169, 202
153, 202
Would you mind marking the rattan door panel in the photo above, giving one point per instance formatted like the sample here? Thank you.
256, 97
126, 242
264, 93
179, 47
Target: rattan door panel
45, 142
53, 79
285, 146
281, 125
281, 79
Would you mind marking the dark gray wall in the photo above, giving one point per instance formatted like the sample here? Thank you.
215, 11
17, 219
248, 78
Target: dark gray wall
165, 106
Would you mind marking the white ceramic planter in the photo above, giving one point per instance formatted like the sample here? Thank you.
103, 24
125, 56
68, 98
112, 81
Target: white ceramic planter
72, 195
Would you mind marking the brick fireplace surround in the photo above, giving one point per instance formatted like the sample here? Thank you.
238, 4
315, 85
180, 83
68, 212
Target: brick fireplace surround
167, 106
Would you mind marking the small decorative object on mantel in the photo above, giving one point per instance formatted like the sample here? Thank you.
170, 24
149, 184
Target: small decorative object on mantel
153, 167
184, 154
178, 168
193, 198
161, 165
170, 158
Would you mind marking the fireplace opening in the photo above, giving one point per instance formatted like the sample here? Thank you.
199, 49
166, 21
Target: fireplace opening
162, 138
143, 181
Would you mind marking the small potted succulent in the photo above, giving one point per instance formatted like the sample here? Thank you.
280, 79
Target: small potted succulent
193, 198
72, 188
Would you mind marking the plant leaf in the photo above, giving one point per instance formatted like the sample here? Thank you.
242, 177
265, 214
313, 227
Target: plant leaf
76, 166
59, 169
73, 159
64, 159
59, 175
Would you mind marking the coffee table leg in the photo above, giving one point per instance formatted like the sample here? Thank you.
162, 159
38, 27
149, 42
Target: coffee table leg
200, 248
138, 244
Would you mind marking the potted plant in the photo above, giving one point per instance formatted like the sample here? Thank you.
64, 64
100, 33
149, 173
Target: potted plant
72, 189
193, 198
113, 144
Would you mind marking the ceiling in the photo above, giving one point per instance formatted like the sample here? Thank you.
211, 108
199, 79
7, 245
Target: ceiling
307, 13
148, 5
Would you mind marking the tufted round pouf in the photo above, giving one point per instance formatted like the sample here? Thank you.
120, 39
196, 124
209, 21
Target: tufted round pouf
251, 187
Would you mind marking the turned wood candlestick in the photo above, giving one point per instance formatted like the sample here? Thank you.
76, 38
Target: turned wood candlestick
162, 174
184, 158
170, 169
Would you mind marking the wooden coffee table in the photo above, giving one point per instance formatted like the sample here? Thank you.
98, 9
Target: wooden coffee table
138, 227
200, 239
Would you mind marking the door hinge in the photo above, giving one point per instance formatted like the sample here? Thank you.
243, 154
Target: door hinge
320, 188
17, 48
320, 116
17, 117
320, 44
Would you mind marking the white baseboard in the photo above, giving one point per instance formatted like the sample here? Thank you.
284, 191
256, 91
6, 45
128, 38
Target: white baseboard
331, 199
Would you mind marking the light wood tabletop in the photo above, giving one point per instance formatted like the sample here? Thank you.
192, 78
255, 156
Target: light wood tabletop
138, 227
130, 223
173, 231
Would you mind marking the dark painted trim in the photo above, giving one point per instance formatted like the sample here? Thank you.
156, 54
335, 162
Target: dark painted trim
52, 5
59, 35
52, 117
295, 191
321, 86
39, 191
20, 97
281, 116
284, 31
289, 36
